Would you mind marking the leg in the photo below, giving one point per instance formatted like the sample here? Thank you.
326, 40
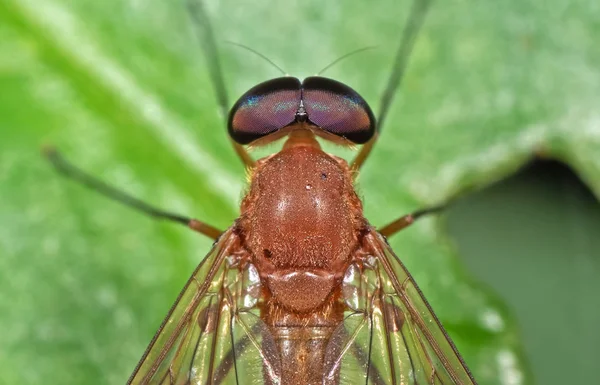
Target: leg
70, 171
209, 46
407, 220
409, 35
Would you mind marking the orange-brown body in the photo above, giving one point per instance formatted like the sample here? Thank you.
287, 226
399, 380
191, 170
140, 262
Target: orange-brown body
301, 223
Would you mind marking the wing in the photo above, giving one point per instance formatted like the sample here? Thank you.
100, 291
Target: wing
390, 335
213, 333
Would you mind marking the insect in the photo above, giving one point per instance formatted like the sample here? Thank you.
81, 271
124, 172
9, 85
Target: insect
301, 289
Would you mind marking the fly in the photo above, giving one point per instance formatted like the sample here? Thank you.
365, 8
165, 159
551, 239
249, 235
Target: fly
301, 289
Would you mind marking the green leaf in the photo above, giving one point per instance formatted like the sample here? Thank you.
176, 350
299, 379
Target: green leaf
122, 89
539, 231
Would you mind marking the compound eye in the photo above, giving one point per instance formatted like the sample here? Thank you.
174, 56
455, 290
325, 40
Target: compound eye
264, 109
338, 109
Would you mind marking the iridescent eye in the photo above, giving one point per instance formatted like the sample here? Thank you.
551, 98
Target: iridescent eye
264, 109
332, 106
338, 109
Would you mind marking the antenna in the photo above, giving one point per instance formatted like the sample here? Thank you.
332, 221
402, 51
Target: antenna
259, 55
344, 57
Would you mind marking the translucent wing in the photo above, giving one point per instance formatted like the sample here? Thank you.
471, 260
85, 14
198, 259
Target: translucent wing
390, 335
213, 333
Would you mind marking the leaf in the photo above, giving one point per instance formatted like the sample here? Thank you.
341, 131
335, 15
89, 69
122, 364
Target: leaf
538, 230
122, 89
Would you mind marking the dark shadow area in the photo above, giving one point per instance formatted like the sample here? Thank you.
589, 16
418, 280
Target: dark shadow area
535, 239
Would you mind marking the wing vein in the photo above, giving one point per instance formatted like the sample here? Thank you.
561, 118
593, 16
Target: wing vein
369, 367
226, 240
266, 361
375, 243
213, 351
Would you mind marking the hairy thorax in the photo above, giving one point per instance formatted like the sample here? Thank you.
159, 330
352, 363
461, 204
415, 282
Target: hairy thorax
300, 221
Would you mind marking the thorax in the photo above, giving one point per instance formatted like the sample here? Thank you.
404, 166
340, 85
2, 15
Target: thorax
301, 221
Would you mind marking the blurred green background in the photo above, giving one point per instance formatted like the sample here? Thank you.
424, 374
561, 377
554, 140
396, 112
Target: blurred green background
121, 87
540, 232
